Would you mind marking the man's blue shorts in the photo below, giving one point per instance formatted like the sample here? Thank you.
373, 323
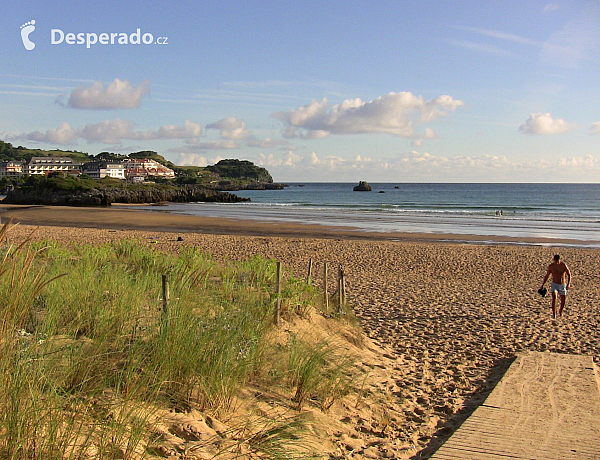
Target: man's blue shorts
560, 288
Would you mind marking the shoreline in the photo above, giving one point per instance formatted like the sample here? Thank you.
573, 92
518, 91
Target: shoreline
128, 217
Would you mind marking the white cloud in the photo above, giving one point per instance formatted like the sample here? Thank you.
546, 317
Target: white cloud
265, 143
63, 135
189, 130
111, 132
193, 159
595, 128
491, 168
578, 40
392, 113
316, 134
119, 94
290, 132
195, 146
309, 165
416, 166
493, 50
550, 7
231, 128
480, 48
289, 159
502, 36
543, 123
313, 159
429, 134
586, 162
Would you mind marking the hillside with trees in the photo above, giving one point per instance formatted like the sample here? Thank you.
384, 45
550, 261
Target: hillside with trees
241, 170
10, 153
191, 183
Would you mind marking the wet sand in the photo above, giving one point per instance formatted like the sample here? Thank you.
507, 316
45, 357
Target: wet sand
451, 315
129, 217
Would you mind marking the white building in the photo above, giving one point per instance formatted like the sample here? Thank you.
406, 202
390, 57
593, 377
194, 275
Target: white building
135, 167
102, 169
11, 169
46, 165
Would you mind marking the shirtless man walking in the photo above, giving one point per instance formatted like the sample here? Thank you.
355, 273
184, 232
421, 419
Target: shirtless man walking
561, 279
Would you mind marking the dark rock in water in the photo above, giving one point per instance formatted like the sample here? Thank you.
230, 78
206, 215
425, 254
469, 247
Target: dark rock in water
362, 186
275, 186
396, 186
381, 191
256, 186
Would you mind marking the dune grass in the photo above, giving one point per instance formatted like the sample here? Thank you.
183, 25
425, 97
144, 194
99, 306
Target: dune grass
86, 347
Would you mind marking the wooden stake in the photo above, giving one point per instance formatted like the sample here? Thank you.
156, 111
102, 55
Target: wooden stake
165, 293
343, 286
340, 292
325, 295
278, 294
309, 276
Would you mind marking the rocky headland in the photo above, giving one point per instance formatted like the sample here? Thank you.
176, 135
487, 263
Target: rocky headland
105, 197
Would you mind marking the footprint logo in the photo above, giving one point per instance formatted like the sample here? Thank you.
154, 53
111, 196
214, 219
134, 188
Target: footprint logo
26, 29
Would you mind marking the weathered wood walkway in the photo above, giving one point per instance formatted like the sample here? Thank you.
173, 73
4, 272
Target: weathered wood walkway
547, 406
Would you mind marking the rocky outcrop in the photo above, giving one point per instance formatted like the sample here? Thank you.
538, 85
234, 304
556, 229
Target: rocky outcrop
97, 197
362, 186
240, 170
252, 186
267, 186
181, 194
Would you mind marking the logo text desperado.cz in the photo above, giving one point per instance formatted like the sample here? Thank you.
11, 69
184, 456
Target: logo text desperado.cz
57, 37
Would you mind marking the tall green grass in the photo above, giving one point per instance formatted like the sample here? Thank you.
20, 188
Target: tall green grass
86, 346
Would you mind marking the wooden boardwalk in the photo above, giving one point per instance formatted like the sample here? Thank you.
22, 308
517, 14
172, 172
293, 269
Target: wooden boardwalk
546, 407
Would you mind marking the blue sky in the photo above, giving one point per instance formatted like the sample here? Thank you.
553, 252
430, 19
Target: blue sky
394, 91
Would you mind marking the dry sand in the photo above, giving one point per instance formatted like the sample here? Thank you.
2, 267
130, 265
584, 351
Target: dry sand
450, 317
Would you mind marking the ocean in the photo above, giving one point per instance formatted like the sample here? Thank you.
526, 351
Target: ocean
558, 211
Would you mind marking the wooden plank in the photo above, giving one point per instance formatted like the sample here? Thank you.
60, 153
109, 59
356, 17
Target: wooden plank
546, 407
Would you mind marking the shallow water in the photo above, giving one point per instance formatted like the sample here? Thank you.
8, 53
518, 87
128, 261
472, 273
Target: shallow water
561, 211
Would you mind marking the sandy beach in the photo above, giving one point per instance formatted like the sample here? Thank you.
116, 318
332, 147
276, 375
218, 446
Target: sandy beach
450, 315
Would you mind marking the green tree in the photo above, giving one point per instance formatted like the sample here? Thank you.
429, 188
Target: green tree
240, 169
109, 156
151, 155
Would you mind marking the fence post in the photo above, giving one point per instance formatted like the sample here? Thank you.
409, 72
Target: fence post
325, 295
278, 294
340, 292
343, 277
165, 293
309, 276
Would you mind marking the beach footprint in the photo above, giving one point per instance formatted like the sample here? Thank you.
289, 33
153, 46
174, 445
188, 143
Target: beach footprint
26, 29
